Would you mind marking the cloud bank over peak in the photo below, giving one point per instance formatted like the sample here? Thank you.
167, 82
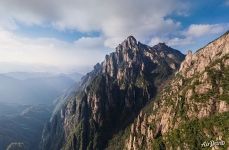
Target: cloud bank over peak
17, 52
198, 30
150, 21
192, 34
115, 19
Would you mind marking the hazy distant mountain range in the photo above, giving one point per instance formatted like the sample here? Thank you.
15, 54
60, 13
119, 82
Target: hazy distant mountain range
27, 100
28, 75
35, 87
22, 124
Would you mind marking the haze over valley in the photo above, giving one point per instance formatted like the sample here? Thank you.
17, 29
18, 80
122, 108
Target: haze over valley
114, 75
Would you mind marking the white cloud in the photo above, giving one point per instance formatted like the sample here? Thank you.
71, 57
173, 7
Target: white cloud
192, 35
147, 20
116, 19
180, 41
176, 41
49, 52
53, 54
90, 43
156, 40
113, 19
198, 30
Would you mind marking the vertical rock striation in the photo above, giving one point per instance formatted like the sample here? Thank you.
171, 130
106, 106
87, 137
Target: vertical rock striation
192, 109
110, 97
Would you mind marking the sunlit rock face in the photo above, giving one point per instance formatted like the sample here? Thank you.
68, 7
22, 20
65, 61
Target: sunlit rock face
192, 108
110, 97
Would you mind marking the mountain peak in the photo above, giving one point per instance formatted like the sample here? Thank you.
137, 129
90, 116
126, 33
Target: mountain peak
129, 43
131, 38
160, 46
163, 47
107, 94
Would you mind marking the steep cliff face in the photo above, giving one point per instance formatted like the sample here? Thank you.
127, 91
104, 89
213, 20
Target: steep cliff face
111, 96
192, 109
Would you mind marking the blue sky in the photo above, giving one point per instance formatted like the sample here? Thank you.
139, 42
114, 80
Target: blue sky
205, 12
37, 31
73, 35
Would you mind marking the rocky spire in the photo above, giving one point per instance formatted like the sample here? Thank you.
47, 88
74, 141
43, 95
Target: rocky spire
129, 43
112, 94
196, 97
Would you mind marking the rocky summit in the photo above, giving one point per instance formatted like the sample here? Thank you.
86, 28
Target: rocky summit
147, 98
191, 111
111, 96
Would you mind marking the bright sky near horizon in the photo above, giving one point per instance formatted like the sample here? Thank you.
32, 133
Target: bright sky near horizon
73, 35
